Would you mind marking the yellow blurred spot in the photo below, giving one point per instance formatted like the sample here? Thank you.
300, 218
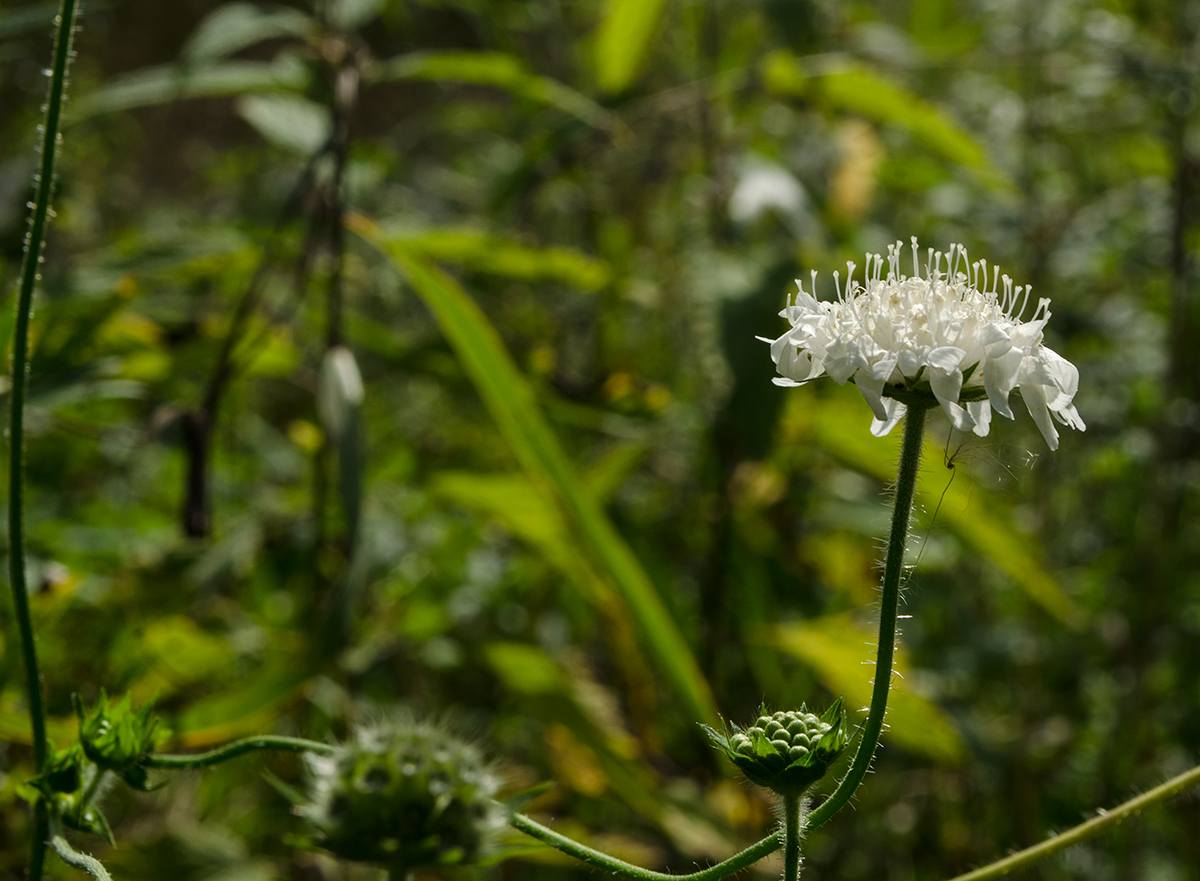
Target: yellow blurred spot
845, 562
125, 287
657, 397
542, 360
757, 485
852, 189
618, 386
305, 435
128, 327
573, 762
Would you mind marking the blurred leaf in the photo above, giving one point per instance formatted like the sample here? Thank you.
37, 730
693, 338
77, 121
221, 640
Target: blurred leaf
857, 89
484, 252
340, 401
623, 41
496, 69
237, 26
839, 651
525, 668
288, 121
28, 18
968, 509
512, 405
161, 85
347, 15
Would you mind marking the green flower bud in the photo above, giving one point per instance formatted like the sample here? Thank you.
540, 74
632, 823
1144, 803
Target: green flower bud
403, 795
117, 739
787, 751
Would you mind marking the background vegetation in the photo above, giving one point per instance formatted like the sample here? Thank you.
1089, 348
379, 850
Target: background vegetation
566, 506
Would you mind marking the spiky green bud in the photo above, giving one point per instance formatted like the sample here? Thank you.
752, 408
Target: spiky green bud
787, 751
118, 739
404, 794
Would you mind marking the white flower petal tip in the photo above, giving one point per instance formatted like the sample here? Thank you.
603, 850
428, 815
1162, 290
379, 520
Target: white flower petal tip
952, 335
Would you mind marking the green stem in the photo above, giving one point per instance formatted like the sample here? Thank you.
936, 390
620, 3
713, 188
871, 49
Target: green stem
724, 869
906, 484
34, 243
235, 749
1084, 831
792, 814
92, 788
73, 858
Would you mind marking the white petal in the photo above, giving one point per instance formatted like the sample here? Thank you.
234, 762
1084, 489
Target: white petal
946, 387
884, 366
981, 412
784, 382
1000, 378
947, 358
872, 391
841, 369
994, 340
1035, 401
895, 412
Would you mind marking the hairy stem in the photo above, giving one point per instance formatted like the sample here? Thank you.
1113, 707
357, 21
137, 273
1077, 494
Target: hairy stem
731, 866
793, 810
1025, 858
73, 858
236, 748
906, 484
34, 243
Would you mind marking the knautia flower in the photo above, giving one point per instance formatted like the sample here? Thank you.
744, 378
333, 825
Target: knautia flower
942, 337
404, 794
786, 751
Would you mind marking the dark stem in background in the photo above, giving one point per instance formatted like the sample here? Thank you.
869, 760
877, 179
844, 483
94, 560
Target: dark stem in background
34, 243
198, 424
345, 97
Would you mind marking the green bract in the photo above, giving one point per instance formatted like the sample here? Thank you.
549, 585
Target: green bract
117, 739
787, 751
404, 794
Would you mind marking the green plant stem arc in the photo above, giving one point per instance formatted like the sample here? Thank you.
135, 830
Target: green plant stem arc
1089, 829
237, 748
724, 869
73, 858
906, 485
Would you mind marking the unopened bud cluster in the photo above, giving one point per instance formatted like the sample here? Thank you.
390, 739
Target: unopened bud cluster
786, 751
403, 795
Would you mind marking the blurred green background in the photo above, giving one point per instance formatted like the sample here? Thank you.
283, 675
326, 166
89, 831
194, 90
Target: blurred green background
568, 509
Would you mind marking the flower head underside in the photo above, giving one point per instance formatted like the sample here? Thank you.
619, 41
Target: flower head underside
941, 337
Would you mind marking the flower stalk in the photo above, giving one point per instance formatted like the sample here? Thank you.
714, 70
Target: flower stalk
906, 485
34, 243
793, 818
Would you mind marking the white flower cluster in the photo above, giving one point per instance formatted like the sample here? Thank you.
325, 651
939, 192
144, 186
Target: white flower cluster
939, 336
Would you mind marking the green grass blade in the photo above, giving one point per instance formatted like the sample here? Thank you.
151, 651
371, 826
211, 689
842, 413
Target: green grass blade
511, 403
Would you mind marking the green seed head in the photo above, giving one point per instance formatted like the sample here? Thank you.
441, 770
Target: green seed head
787, 751
404, 795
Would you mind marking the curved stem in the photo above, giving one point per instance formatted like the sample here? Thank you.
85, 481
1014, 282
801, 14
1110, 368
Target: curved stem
235, 749
792, 813
585, 854
34, 243
906, 484
1086, 830
73, 858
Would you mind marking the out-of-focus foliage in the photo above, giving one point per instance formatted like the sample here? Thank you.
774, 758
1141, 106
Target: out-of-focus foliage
507, 447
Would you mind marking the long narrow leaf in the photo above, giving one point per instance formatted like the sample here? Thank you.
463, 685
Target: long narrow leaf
623, 41
511, 402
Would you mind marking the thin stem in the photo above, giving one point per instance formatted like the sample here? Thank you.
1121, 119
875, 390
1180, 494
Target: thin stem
724, 869
73, 858
34, 243
792, 812
906, 484
1024, 858
235, 749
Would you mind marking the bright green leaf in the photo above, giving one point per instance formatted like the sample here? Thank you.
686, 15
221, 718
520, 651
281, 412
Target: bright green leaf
623, 41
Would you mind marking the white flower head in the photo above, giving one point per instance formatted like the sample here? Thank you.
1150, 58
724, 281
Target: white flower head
942, 337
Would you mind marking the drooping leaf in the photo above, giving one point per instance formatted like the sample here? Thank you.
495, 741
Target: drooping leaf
838, 650
237, 26
858, 89
497, 255
288, 121
514, 409
498, 70
623, 41
161, 85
